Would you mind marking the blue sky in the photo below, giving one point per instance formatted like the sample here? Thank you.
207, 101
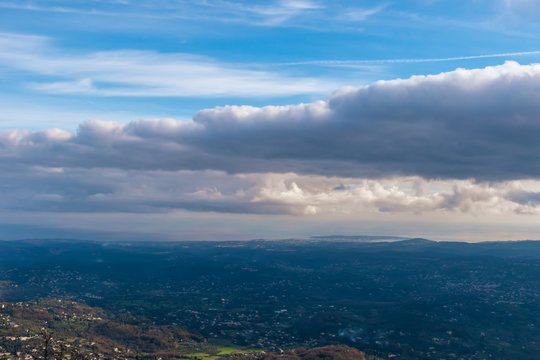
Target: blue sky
322, 45
192, 119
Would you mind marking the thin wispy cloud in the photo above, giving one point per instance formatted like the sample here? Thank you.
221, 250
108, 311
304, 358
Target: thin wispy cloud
146, 73
529, 8
353, 63
60, 9
268, 13
359, 14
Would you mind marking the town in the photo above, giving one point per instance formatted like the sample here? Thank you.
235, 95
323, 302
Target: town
409, 299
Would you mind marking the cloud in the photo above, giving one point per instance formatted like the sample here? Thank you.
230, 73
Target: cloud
479, 123
312, 195
373, 63
361, 14
145, 73
98, 190
281, 13
463, 142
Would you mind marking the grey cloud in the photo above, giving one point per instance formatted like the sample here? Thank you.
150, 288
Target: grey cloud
105, 190
468, 123
525, 197
98, 190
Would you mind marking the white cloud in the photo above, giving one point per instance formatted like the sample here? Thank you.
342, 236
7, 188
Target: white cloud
361, 14
397, 194
145, 73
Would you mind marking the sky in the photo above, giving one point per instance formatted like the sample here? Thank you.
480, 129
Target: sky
235, 120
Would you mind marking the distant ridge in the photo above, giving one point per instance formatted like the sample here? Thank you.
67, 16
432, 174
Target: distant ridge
417, 241
366, 238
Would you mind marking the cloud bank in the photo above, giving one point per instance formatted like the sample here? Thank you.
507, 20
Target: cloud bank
463, 142
134, 191
480, 124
